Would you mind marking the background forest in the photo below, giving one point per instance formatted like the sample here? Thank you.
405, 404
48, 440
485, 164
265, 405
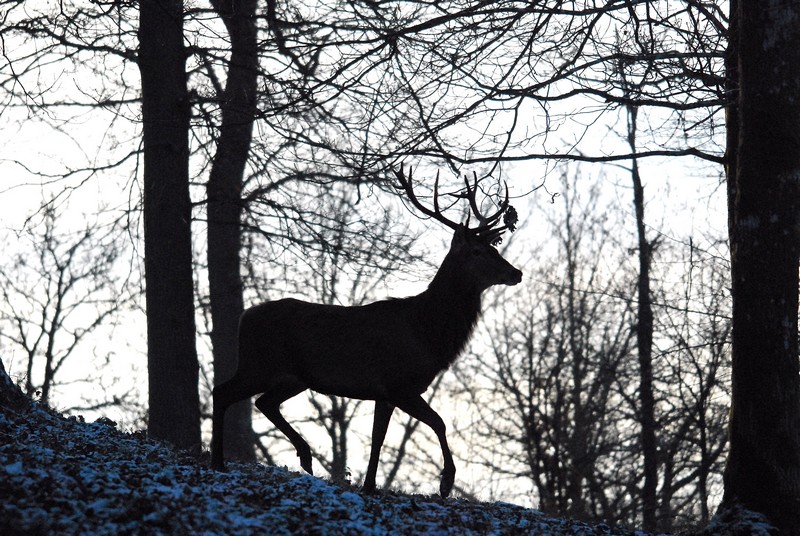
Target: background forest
166, 164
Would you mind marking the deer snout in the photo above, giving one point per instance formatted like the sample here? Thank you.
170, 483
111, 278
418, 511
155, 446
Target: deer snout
514, 277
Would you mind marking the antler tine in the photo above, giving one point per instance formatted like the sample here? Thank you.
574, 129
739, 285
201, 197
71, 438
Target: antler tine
485, 223
408, 186
435, 193
492, 236
473, 204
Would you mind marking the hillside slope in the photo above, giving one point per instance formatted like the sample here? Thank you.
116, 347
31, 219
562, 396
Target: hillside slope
64, 476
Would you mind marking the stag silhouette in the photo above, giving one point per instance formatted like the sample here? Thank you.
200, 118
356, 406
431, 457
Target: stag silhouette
388, 351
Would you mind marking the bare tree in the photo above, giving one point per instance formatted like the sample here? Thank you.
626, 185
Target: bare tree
644, 337
57, 292
224, 206
489, 65
171, 354
763, 470
548, 380
559, 385
693, 327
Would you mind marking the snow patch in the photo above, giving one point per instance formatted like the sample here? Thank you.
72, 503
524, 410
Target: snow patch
739, 520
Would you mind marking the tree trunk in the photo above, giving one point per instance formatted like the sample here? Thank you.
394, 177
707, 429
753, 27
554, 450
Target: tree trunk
576, 440
171, 354
340, 422
644, 344
763, 470
225, 212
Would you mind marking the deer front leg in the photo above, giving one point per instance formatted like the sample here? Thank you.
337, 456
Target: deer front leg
420, 410
380, 423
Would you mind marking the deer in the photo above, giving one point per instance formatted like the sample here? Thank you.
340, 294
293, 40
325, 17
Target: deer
388, 351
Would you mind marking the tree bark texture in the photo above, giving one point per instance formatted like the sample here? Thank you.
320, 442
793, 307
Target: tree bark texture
763, 470
224, 207
174, 408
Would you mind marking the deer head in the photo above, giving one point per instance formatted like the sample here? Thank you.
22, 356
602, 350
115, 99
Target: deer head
472, 251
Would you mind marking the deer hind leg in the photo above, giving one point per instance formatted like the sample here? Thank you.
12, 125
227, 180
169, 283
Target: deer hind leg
383, 413
224, 395
420, 410
270, 405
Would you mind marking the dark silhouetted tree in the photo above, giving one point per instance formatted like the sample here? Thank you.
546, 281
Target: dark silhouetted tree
763, 470
172, 365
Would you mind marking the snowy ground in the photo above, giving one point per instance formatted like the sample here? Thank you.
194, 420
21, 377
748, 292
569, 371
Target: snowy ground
64, 476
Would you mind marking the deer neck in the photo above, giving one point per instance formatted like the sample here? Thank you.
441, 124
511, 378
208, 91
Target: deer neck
449, 309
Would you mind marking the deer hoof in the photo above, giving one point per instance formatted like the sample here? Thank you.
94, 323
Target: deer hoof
446, 484
305, 462
218, 465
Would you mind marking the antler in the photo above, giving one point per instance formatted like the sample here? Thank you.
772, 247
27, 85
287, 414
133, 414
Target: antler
436, 213
486, 230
